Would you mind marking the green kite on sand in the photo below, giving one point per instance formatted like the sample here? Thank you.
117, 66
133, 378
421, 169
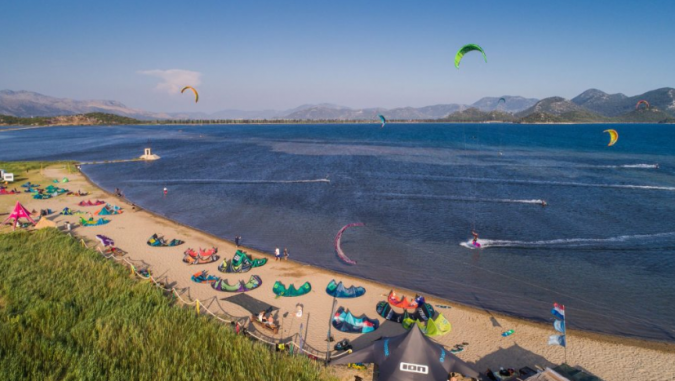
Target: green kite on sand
280, 290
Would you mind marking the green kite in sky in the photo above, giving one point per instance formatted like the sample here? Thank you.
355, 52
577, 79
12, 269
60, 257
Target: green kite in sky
465, 49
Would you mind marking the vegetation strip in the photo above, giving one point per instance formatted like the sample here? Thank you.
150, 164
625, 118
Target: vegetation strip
67, 313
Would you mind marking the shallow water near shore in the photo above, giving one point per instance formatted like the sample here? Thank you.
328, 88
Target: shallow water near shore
604, 246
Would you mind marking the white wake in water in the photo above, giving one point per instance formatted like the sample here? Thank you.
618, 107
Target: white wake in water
467, 199
589, 166
565, 242
563, 183
643, 166
220, 181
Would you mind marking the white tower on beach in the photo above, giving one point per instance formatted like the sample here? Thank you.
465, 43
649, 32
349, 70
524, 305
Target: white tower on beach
148, 155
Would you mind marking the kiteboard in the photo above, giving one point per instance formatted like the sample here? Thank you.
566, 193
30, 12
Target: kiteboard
472, 245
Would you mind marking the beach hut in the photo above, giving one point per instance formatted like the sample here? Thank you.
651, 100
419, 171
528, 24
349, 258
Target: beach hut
19, 212
410, 356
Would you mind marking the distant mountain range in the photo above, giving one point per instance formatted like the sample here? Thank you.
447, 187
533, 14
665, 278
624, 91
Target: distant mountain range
591, 106
29, 104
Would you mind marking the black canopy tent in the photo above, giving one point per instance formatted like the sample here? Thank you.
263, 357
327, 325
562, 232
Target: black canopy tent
410, 356
251, 304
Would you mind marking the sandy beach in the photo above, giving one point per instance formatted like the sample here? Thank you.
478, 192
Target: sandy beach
608, 357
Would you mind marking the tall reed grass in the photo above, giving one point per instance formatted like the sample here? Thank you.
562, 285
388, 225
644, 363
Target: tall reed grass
66, 313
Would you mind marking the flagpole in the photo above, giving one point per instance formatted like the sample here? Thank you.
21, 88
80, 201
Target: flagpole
332, 310
565, 309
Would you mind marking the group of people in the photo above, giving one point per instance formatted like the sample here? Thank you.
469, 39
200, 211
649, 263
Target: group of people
277, 254
269, 320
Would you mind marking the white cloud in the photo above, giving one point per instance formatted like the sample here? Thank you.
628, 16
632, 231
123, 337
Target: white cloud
174, 80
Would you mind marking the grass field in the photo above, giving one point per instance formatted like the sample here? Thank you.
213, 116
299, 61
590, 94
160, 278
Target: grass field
66, 313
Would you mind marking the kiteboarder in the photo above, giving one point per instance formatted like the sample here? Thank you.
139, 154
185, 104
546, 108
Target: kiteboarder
165, 191
475, 237
543, 203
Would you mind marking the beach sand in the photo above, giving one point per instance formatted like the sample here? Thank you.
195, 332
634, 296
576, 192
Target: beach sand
608, 357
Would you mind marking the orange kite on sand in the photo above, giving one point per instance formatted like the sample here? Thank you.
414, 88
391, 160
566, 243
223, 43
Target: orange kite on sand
400, 303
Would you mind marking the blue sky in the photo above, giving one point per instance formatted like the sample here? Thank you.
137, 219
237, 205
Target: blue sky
281, 54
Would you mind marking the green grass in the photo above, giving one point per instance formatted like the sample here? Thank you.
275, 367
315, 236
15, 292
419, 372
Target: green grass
21, 167
66, 313
94, 118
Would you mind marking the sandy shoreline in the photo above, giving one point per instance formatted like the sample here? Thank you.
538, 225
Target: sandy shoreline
609, 357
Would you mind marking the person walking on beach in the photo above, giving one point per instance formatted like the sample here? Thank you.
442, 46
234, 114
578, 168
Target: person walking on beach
285, 254
277, 254
237, 240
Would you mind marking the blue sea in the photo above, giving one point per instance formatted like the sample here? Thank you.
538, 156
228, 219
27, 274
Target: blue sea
604, 246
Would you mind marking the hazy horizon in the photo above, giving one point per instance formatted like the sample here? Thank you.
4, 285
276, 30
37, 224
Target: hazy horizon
265, 55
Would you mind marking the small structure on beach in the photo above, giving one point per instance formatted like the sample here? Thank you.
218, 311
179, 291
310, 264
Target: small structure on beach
148, 155
6, 176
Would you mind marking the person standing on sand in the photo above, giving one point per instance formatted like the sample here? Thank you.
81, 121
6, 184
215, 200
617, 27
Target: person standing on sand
277, 254
285, 254
237, 240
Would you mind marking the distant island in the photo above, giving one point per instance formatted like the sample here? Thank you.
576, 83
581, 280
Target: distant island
24, 108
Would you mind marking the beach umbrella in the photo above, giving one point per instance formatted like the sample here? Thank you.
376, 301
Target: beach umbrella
105, 241
410, 356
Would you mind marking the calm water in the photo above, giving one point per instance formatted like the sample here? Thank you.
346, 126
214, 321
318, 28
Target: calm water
605, 245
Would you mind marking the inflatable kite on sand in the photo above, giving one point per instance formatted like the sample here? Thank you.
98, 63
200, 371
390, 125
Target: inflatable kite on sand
338, 250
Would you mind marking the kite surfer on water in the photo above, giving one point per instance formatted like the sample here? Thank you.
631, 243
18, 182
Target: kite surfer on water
543, 203
475, 237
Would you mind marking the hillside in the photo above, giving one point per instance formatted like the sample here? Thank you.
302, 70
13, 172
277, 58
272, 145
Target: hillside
553, 106
601, 102
613, 105
95, 118
652, 115
540, 117
511, 104
475, 115
29, 104
558, 110
327, 112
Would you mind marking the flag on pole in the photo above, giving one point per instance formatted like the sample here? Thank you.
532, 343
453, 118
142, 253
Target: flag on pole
559, 326
558, 311
556, 340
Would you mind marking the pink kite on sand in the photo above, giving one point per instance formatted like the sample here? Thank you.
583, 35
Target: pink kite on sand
19, 212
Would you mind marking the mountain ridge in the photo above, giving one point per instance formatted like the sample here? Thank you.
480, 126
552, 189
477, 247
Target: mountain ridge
590, 105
